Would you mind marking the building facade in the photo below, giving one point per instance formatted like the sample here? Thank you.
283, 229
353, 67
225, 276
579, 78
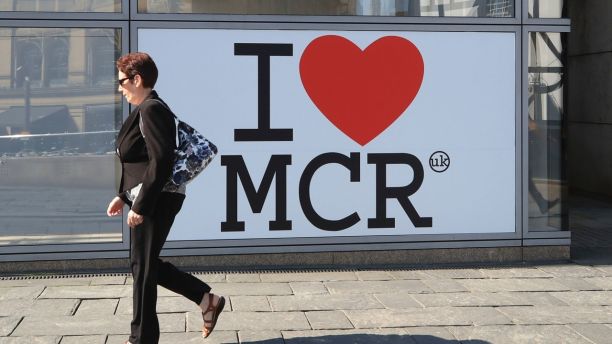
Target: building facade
343, 126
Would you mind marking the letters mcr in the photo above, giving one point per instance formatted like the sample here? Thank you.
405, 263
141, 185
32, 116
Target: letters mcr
277, 167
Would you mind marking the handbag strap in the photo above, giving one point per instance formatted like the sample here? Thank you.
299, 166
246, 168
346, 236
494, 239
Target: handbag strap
164, 105
176, 121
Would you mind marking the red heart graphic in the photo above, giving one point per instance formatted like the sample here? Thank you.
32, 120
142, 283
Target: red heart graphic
361, 92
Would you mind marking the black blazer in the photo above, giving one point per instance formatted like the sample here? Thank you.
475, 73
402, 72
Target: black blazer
148, 158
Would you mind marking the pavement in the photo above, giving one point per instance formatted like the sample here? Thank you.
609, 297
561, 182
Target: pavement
563, 303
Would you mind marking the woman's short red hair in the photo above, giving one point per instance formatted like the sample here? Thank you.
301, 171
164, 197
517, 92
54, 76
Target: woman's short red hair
139, 63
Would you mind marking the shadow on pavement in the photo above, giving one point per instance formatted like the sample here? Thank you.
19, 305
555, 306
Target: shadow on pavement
368, 339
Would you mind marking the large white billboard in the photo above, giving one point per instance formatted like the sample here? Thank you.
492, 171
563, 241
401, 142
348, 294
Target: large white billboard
343, 133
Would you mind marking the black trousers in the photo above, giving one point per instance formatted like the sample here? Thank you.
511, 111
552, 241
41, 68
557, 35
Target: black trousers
147, 240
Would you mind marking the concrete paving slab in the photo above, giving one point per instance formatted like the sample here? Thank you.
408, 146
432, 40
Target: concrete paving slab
478, 299
17, 307
518, 334
166, 304
323, 302
571, 270
597, 333
88, 325
375, 287
328, 320
309, 277
100, 339
31, 282
87, 292
431, 335
172, 322
175, 305
585, 298
260, 337
415, 306
398, 301
410, 275
239, 278
117, 339
31, 340
250, 303
513, 284
252, 321
457, 273
217, 337
8, 325
253, 289
558, 315
210, 277
576, 283
374, 276
308, 288
102, 307
360, 336
605, 283
443, 316
605, 269
125, 306
106, 280
21, 293
444, 286
429, 339
516, 273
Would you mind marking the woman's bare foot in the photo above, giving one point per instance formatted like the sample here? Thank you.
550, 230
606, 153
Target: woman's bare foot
211, 306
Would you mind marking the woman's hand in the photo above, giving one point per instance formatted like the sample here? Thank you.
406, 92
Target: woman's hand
134, 219
115, 207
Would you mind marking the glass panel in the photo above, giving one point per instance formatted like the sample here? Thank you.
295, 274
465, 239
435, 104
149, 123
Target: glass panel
399, 8
104, 6
547, 184
547, 9
59, 114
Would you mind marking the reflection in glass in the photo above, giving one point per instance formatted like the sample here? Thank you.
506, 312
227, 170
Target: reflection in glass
399, 8
59, 114
547, 185
97, 6
547, 9
57, 65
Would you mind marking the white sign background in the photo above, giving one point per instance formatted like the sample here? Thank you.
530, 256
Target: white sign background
465, 107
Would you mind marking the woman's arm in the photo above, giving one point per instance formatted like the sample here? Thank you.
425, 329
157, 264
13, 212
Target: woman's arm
159, 131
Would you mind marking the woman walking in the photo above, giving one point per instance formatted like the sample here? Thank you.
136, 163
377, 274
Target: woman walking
145, 145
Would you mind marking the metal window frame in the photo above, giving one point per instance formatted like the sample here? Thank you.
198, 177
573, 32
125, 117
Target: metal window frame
129, 21
321, 244
344, 19
542, 21
527, 233
123, 15
63, 250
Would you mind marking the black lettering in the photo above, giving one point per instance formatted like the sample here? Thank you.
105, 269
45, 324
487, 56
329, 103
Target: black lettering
401, 193
352, 164
237, 168
263, 52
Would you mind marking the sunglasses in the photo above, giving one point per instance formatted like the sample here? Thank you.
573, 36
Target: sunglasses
122, 81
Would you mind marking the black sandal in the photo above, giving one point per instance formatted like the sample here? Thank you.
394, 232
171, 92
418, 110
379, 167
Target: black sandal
207, 330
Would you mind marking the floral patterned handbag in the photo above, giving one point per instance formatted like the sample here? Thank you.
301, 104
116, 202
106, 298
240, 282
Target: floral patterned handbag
192, 155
